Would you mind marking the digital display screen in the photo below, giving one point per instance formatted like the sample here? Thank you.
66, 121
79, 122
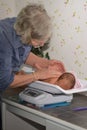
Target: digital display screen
32, 93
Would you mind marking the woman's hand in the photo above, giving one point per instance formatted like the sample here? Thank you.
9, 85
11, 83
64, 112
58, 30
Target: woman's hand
46, 63
49, 72
58, 64
43, 63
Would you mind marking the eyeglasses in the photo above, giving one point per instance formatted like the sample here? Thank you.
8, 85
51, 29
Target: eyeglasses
38, 43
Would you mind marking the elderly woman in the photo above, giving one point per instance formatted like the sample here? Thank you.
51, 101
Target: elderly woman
32, 27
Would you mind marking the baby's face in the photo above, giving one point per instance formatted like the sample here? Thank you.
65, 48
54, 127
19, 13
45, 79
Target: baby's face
64, 83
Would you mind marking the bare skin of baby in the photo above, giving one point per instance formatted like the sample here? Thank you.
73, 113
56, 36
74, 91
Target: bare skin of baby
65, 80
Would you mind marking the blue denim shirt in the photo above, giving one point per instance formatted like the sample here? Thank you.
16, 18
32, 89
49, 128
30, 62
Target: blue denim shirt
13, 52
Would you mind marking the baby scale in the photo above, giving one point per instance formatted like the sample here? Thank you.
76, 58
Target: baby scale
44, 94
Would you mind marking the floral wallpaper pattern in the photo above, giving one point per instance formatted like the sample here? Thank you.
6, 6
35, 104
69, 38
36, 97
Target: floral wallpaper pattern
7, 8
69, 39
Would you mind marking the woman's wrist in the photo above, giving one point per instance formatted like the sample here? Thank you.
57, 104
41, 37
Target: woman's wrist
35, 76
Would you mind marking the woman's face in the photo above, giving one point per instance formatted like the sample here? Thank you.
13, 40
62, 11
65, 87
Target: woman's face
37, 43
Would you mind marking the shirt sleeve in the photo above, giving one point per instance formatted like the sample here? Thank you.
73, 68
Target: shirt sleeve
6, 75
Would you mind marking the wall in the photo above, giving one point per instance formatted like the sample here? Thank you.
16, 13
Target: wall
7, 8
68, 42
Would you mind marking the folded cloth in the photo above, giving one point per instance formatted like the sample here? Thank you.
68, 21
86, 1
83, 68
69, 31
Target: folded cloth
77, 81
78, 84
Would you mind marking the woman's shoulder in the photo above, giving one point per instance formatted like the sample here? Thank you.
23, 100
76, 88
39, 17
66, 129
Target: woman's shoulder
7, 32
7, 23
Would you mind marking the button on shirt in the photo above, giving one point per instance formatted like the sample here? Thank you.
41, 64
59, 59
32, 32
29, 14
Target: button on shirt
13, 52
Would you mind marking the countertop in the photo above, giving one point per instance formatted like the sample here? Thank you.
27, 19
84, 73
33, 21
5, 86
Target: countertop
65, 113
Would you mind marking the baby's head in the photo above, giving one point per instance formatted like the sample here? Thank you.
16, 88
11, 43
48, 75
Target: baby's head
66, 81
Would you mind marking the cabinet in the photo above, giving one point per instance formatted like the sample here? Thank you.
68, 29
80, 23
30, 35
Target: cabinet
19, 116
16, 117
55, 126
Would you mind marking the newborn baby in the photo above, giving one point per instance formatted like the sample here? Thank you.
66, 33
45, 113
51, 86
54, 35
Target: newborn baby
66, 80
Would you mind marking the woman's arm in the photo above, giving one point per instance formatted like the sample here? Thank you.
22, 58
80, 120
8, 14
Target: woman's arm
36, 61
21, 78
40, 63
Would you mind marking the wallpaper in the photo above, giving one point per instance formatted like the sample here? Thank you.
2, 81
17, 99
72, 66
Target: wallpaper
69, 39
7, 8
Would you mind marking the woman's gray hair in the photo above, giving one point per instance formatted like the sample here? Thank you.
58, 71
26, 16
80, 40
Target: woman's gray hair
33, 22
